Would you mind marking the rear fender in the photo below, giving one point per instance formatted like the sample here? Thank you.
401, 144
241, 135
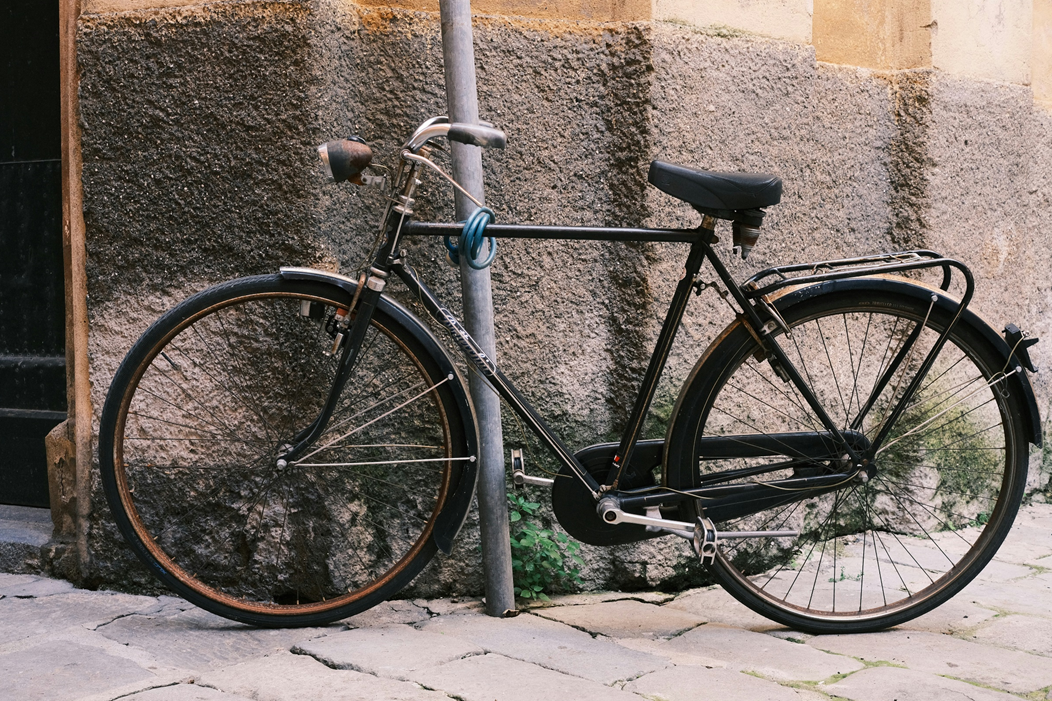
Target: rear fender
1018, 382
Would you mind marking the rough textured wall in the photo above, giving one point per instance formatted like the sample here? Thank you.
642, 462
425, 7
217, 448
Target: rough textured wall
197, 129
199, 126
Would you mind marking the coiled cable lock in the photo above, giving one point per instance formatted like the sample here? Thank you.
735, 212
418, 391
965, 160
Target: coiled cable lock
471, 239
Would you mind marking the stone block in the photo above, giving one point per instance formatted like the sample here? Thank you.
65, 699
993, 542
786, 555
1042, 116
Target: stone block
196, 639
784, 19
762, 654
392, 651
1026, 544
489, 677
886, 34
287, 677
624, 619
31, 587
1041, 53
1031, 595
715, 605
685, 683
1012, 671
23, 530
447, 606
548, 644
388, 613
64, 670
601, 597
986, 40
678, 658
957, 615
1028, 633
183, 692
24, 618
884, 683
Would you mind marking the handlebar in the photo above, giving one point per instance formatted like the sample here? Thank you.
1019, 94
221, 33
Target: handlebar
483, 134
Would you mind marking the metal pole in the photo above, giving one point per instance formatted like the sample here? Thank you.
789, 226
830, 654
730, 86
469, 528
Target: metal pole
462, 102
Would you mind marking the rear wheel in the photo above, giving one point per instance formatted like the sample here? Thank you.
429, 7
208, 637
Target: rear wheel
948, 478
209, 398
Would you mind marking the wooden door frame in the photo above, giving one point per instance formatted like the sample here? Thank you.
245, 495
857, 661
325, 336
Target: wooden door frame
69, 445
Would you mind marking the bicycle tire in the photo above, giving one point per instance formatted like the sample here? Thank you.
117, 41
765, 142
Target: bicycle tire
949, 478
215, 390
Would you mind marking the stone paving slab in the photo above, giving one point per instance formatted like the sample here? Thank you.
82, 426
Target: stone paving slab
287, 677
22, 619
771, 657
624, 619
196, 639
25, 525
715, 605
499, 678
602, 597
388, 613
28, 586
1010, 670
957, 615
1026, 544
1028, 633
446, 607
183, 692
688, 683
887, 683
1032, 595
658, 648
63, 670
549, 644
391, 652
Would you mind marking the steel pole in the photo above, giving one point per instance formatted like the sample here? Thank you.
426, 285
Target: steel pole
462, 102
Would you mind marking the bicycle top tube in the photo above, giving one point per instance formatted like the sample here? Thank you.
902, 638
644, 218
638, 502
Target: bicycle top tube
564, 233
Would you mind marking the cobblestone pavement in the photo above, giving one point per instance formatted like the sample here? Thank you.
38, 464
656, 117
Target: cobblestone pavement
993, 641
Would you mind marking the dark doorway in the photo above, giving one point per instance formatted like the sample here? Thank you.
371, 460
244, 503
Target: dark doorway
32, 303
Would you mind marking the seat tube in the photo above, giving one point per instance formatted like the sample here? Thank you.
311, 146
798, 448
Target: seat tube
657, 361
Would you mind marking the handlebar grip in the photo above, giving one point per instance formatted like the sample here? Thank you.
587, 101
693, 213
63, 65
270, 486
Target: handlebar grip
477, 135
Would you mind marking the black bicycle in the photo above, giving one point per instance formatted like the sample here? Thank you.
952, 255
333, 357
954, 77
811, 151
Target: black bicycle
291, 449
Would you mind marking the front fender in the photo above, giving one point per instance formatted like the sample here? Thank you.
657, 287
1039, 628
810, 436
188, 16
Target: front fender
454, 513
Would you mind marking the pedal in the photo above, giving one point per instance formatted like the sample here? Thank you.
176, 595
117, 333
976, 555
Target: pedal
518, 472
705, 539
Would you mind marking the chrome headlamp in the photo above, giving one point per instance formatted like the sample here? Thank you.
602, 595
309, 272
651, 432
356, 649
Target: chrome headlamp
345, 159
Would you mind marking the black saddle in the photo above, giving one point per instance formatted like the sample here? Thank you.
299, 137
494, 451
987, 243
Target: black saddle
735, 196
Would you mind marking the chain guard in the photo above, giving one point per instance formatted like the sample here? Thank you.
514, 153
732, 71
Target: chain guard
574, 506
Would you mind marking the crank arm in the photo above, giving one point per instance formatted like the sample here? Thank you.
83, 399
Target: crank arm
610, 512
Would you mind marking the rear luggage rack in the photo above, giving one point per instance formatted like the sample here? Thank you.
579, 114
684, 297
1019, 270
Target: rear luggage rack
810, 273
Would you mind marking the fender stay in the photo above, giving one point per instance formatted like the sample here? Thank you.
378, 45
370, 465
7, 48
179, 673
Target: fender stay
454, 513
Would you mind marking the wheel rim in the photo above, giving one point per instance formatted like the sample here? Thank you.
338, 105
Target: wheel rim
931, 516
195, 454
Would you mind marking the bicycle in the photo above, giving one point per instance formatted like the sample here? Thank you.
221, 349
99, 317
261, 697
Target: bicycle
292, 449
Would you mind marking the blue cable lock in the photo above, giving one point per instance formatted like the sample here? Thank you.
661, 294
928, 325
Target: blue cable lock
471, 239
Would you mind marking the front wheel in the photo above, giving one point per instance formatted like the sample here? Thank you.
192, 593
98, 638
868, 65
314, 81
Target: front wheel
217, 390
947, 481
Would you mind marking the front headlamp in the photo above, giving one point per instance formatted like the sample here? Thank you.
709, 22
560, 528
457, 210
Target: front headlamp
345, 159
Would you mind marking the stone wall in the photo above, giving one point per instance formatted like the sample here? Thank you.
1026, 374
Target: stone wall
198, 125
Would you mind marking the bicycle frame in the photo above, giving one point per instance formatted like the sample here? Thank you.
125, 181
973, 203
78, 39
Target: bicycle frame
757, 312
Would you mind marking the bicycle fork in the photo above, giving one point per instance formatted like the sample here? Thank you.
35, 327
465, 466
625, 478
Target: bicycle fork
361, 313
